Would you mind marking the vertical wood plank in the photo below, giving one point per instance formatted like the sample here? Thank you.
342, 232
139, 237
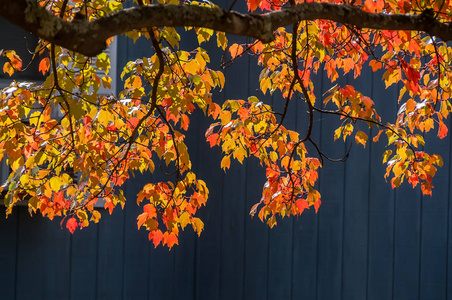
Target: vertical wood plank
434, 224
57, 269
280, 237
161, 274
110, 255
330, 226
8, 250
136, 244
84, 253
256, 238
305, 227
185, 252
31, 252
356, 206
408, 220
256, 260
381, 202
233, 198
208, 245
407, 243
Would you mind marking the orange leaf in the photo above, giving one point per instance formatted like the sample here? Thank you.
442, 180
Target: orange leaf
133, 122
44, 65
236, 50
14, 63
317, 205
213, 139
141, 219
302, 204
156, 237
7, 68
170, 239
185, 121
150, 210
109, 205
253, 4
376, 65
136, 82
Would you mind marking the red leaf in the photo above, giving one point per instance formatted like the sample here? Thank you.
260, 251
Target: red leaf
112, 127
109, 205
413, 179
87, 120
253, 147
72, 224
167, 102
442, 132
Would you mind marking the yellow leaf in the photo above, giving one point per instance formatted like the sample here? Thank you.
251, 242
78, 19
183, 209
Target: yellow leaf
55, 183
348, 129
226, 162
386, 155
82, 215
191, 67
184, 219
24, 179
95, 216
338, 132
273, 156
198, 225
222, 41
361, 138
239, 154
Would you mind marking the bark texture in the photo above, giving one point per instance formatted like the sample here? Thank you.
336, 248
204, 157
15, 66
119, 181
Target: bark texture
89, 38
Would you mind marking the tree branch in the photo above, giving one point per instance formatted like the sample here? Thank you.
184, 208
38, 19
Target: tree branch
89, 37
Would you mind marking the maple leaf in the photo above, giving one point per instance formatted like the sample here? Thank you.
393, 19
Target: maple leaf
235, 50
442, 132
302, 205
170, 239
156, 236
44, 65
253, 4
72, 224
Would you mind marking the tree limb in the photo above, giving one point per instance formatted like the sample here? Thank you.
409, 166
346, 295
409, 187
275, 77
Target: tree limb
89, 38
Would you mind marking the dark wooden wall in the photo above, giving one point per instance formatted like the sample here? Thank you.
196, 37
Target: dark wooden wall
367, 241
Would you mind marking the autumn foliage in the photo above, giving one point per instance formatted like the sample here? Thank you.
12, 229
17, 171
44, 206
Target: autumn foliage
68, 144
